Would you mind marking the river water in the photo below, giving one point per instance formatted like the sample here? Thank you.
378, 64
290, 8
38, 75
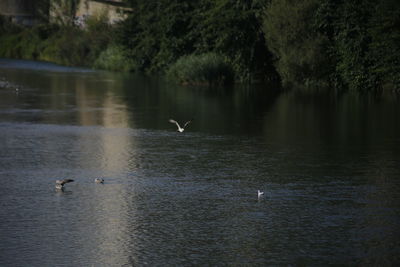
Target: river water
329, 165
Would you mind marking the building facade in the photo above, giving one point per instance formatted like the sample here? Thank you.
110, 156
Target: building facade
31, 12
23, 12
114, 10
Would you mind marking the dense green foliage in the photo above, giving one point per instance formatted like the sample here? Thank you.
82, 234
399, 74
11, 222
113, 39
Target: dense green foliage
365, 41
288, 31
352, 44
158, 33
208, 69
334, 43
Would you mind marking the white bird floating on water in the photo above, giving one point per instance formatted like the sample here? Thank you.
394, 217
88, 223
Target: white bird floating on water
260, 194
99, 181
60, 183
180, 129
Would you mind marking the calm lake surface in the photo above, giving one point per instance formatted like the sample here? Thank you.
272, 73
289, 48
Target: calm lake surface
329, 165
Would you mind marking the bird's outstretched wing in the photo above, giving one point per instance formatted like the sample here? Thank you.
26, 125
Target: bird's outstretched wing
173, 121
62, 182
187, 123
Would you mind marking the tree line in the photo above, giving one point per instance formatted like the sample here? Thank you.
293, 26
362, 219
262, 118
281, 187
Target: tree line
320, 43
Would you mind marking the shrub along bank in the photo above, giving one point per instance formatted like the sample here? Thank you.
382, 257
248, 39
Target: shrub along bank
206, 69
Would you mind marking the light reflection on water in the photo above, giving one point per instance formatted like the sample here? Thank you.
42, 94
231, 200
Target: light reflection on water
330, 177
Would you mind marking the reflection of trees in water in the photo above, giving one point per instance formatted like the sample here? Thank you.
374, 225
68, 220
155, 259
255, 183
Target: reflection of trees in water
324, 117
214, 110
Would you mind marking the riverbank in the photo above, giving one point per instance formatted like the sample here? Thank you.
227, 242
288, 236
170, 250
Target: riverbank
309, 44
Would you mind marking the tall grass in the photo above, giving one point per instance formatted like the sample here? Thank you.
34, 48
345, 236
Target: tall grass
114, 58
206, 69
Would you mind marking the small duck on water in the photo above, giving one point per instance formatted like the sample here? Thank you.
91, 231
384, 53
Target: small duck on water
60, 183
260, 194
99, 181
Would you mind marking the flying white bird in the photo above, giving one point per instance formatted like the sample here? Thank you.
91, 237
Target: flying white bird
60, 183
260, 194
180, 129
99, 181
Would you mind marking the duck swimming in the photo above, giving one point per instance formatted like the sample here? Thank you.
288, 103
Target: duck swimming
99, 181
60, 183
